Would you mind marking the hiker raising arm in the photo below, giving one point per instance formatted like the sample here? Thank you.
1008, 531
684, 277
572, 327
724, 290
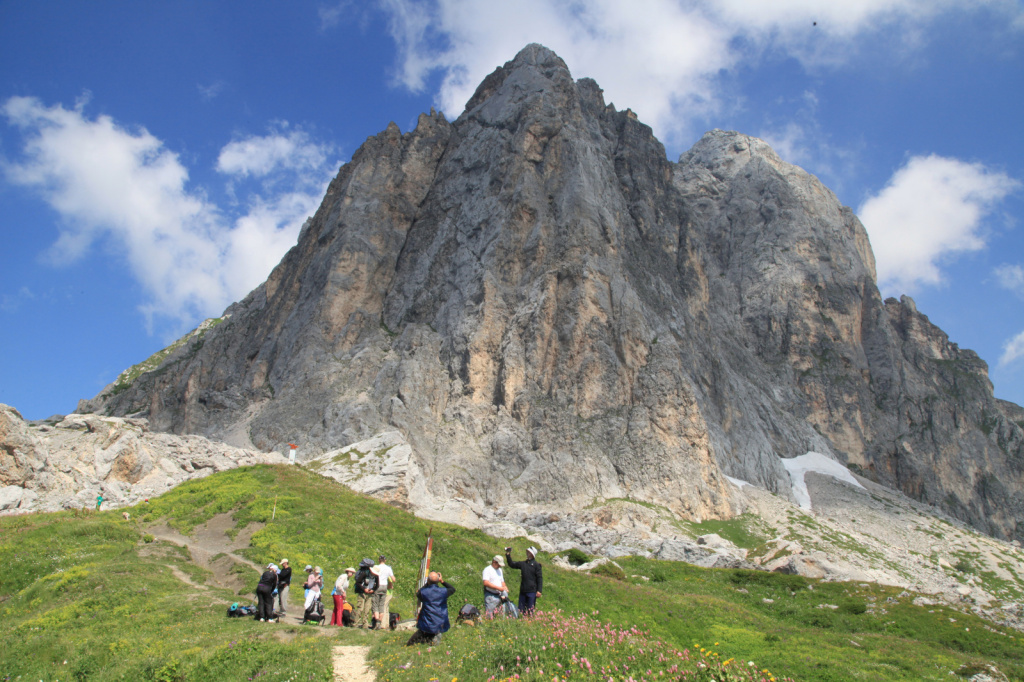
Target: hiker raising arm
532, 581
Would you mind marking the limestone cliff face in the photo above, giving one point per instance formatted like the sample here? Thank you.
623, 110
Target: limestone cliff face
66, 463
549, 311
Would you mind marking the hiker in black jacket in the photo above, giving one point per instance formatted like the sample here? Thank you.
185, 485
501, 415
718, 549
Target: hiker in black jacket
284, 579
265, 594
532, 579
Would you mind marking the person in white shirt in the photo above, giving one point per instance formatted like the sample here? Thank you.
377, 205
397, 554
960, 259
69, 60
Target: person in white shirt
385, 581
340, 592
494, 585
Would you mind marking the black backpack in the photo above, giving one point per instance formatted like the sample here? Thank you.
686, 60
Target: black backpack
361, 575
468, 612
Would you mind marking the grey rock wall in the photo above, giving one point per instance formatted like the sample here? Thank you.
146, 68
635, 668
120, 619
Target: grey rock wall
66, 463
549, 311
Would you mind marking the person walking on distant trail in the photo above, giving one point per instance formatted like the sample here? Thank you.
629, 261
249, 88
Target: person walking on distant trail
433, 618
99, 501
385, 580
532, 580
366, 584
340, 593
494, 585
265, 595
284, 579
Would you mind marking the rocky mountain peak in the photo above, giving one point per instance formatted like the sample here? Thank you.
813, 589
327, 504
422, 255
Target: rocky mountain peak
533, 71
550, 312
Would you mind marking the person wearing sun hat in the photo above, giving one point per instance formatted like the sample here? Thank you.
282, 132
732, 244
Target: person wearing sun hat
532, 579
284, 579
265, 594
494, 585
309, 576
340, 593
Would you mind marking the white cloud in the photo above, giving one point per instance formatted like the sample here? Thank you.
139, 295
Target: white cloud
662, 58
1011, 277
11, 303
209, 92
1012, 350
931, 209
126, 189
259, 156
330, 15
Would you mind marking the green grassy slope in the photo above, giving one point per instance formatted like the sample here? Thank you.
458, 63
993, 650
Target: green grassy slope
84, 596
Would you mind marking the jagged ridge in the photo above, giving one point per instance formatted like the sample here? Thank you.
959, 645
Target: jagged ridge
550, 311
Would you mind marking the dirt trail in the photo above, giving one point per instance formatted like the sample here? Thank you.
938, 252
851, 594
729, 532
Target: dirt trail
211, 540
350, 664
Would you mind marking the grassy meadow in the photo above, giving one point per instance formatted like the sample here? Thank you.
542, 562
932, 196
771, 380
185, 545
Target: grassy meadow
91, 596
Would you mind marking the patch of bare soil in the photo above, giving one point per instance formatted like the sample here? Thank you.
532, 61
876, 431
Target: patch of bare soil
211, 547
350, 664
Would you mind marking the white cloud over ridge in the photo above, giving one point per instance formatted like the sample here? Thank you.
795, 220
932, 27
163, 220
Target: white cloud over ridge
662, 58
1011, 277
1013, 350
259, 156
932, 209
125, 188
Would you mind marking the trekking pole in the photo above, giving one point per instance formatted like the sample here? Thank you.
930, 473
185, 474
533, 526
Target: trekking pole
274, 514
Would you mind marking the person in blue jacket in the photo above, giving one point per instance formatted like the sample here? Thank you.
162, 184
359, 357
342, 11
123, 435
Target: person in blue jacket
433, 616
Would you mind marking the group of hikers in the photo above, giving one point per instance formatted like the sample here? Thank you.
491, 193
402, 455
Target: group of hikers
373, 583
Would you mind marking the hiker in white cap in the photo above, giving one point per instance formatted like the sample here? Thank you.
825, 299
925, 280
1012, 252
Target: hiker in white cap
309, 578
284, 580
265, 594
532, 579
494, 585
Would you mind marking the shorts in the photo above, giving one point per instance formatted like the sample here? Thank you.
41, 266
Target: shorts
380, 600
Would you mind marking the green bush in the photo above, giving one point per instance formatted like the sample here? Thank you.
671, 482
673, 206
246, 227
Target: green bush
854, 607
609, 570
769, 579
577, 557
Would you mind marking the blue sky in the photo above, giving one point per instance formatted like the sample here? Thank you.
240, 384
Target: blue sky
157, 159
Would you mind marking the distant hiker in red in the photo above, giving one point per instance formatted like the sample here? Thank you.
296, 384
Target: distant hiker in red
340, 593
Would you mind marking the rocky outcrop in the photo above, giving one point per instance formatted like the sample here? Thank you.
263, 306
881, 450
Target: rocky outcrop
552, 313
67, 463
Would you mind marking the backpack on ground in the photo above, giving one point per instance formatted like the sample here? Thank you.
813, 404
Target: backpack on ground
347, 618
468, 612
393, 618
315, 612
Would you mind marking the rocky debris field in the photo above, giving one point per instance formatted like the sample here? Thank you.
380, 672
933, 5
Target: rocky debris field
846, 530
66, 462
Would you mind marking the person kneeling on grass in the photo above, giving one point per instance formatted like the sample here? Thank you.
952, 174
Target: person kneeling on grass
433, 618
